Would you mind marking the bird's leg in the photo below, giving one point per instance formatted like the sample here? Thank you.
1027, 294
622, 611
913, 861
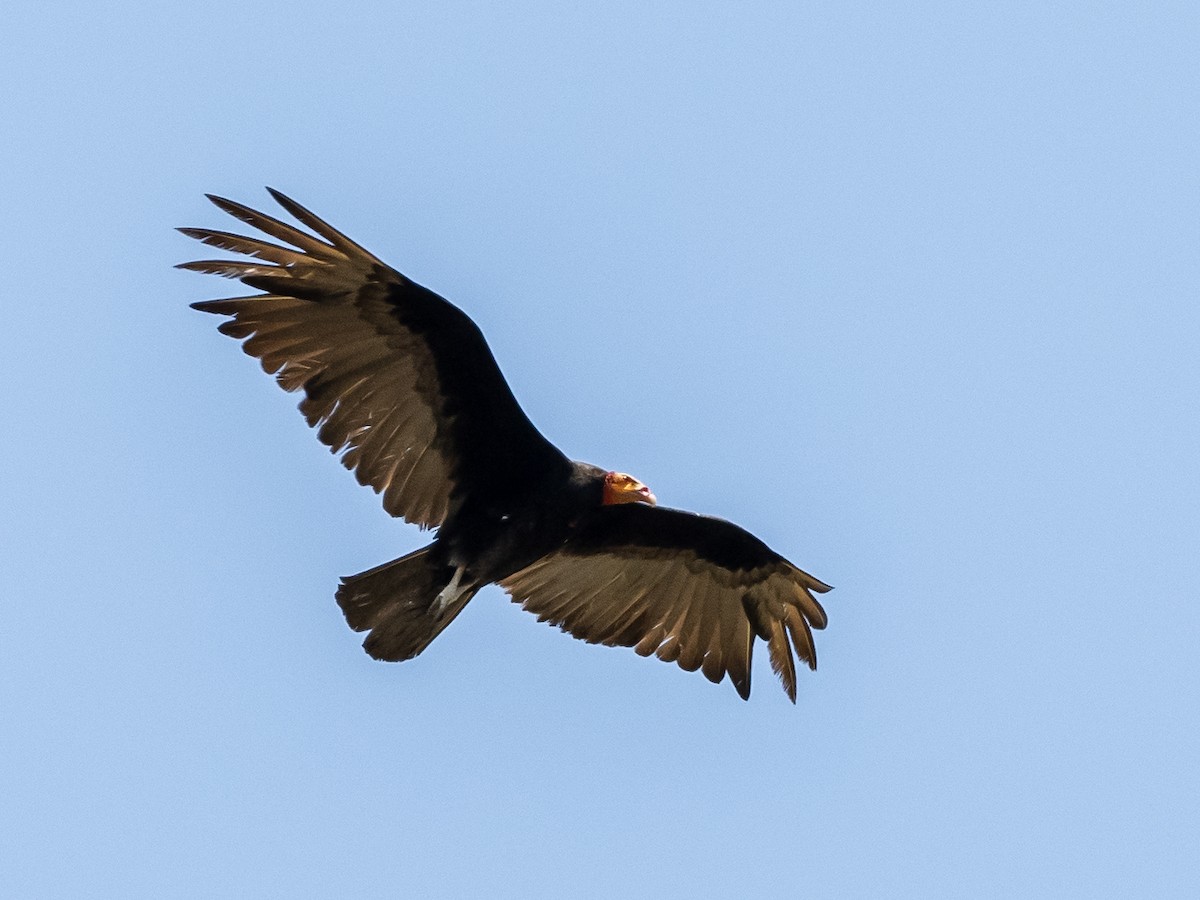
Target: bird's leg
448, 595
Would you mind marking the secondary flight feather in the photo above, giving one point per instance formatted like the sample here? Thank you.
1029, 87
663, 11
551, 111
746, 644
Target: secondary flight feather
402, 384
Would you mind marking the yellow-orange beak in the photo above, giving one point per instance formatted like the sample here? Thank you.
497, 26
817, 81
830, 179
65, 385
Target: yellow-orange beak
622, 488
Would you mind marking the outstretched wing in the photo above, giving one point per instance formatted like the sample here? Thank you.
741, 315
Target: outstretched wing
398, 380
690, 589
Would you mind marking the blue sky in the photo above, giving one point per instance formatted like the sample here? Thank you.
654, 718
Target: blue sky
910, 293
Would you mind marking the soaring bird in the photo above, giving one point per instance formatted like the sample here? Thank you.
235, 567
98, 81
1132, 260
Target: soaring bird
402, 385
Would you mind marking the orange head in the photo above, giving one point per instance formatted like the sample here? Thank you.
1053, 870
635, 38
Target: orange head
622, 488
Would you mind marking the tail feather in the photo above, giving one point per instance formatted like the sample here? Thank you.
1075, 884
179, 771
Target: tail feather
395, 603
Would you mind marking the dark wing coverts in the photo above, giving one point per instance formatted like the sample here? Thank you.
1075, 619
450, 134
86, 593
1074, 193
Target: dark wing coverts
690, 589
399, 381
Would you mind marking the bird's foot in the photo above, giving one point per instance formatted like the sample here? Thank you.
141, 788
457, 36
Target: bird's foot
448, 594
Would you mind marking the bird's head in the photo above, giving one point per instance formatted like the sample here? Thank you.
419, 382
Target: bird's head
622, 488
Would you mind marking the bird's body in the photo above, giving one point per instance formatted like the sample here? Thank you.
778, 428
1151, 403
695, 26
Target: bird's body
495, 538
403, 385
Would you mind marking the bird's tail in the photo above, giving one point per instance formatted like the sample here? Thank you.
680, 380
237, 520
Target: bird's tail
398, 603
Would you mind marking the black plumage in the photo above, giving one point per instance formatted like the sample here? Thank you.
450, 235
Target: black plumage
403, 386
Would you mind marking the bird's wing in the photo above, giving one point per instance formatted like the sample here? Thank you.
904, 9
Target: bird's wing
399, 381
690, 589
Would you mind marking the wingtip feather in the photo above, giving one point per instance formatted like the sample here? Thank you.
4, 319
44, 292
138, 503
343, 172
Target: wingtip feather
742, 687
781, 658
222, 203
210, 306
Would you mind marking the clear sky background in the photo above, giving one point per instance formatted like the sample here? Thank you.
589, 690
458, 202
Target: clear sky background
910, 292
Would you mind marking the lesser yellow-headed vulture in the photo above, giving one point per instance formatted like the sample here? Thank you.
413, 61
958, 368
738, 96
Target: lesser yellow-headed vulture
402, 384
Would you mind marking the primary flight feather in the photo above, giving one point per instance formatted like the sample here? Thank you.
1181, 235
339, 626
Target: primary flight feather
402, 384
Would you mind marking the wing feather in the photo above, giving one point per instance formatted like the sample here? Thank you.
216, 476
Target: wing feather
611, 622
692, 614
721, 635
236, 243
689, 589
397, 381
782, 663
276, 229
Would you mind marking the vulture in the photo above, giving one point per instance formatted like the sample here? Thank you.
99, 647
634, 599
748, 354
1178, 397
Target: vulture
402, 385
